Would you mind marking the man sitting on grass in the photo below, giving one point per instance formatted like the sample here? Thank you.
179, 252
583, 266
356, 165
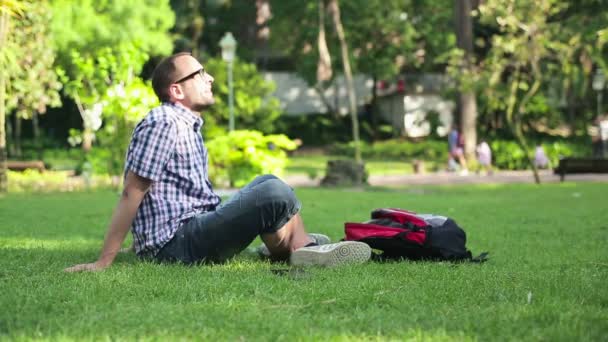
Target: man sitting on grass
170, 205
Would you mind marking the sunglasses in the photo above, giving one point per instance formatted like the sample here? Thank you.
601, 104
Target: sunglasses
192, 75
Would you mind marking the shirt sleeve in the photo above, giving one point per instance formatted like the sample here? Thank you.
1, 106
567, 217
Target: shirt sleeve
151, 148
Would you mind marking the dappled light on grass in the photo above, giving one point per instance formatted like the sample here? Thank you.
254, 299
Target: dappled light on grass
48, 244
542, 240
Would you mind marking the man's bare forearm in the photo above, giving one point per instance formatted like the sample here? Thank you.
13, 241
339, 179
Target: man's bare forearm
123, 217
136, 188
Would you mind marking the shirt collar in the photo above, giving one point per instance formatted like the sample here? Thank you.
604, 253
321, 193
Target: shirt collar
186, 115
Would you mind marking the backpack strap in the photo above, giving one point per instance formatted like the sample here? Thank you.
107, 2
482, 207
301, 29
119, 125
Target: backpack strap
481, 258
399, 215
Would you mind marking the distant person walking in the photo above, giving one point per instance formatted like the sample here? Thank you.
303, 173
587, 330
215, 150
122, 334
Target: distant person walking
456, 151
484, 156
540, 157
599, 137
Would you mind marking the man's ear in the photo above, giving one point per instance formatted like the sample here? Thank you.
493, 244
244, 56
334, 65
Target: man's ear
176, 92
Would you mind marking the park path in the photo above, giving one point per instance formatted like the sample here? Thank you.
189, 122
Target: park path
445, 178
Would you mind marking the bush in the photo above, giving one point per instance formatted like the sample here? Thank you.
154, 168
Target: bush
315, 129
51, 181
254, 105
508, 155
240, 156
325, 129
428, 150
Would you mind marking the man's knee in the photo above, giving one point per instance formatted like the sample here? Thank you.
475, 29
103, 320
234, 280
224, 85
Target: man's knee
275, 190
263, 178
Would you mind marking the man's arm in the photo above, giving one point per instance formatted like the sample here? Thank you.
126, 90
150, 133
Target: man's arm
134, 191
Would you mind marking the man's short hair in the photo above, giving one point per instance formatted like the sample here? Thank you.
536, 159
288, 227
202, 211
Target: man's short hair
166, 73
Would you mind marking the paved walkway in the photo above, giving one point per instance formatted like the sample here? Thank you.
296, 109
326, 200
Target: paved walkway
442, 178
446, 178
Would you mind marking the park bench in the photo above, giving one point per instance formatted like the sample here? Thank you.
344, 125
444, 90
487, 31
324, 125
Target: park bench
581, 165
22, 165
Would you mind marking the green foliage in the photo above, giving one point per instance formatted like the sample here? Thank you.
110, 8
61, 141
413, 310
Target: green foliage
315, 129
384, 36
89, 26
427, 150
96, 50
254, 108
57, 158
33, 83
533, 61
32, 181
90, 76
124, 107
508, 155
241, 155
321, 129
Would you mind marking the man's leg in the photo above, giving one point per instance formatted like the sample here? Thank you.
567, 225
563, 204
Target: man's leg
266, 207
287, 239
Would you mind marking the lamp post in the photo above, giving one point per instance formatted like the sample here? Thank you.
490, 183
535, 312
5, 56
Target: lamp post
228, 45
599, 80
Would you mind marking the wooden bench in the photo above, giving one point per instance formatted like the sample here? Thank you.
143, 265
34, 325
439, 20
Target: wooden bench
22, 165
581, 165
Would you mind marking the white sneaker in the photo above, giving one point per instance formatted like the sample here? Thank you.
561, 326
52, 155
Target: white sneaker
319, 239
334, 254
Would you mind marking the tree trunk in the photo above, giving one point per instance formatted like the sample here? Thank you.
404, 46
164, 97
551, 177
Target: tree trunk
263, 15
335, 10
17, 137
515, 123
373, 109
467, 99
324, 70
87, 134
3, 169
10, 147
468, 122
36, 132
4, 26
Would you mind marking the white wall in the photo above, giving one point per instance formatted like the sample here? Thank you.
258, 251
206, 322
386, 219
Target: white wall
298, 98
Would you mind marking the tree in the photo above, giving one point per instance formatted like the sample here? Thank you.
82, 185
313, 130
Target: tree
254, 106
96, 51
8, 10
334, 8
467, 103
381, 37
526, 48
35, 86
188, 31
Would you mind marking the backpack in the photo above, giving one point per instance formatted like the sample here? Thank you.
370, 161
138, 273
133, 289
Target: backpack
401, 234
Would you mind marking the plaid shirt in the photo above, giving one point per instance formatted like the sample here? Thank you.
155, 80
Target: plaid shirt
167, 148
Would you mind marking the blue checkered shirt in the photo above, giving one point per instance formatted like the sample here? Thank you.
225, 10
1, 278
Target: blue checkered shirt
167, 148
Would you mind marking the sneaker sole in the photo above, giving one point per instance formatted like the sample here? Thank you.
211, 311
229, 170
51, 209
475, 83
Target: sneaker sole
348, 252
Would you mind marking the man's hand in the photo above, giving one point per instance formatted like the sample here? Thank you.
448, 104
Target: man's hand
92, 267
135, 189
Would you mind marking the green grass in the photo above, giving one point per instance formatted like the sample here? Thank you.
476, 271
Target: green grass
315, 165
547, 244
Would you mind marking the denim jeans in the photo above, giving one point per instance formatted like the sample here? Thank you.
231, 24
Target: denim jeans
263, 206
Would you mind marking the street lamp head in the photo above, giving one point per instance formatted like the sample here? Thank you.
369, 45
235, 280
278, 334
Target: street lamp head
228, 45
599, 80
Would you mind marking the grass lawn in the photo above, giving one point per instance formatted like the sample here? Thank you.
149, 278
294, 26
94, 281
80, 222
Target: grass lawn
315, 165
546, 279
